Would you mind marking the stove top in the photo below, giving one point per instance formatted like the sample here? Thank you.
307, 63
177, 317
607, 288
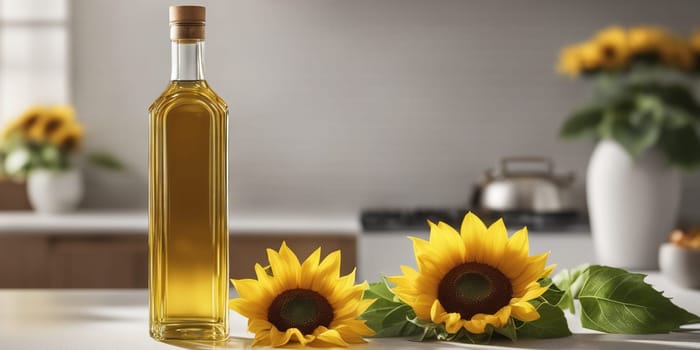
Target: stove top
383, 220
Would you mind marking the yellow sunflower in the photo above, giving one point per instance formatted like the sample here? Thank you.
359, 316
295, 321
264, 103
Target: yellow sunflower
647, 40
570, 61
69, 137
614, 50
27, 122
307, 303
676, 52
57, 118
591, 56
9, 129
473, 279
695, 42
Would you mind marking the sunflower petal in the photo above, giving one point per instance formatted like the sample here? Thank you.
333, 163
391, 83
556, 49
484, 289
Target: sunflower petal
262, 338
250, 309
450, 239
472, 231
351, 332
524, 311
451, 320
258, 325
309, 268
327, 274
532, 292
278, 338
475, 326
284, 275
291, 261
503, 314
531, 273
330, 336
495, 243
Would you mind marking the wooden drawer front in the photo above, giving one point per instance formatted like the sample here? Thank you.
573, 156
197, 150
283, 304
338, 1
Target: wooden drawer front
23, 261
121, 260
98, 261
248, 249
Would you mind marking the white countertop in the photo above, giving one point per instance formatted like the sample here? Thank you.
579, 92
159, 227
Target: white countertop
96, 222
118, 319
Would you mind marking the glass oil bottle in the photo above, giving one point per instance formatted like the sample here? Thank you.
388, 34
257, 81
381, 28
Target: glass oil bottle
188, 194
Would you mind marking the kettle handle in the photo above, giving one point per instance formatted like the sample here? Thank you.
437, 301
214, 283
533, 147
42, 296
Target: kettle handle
547, 170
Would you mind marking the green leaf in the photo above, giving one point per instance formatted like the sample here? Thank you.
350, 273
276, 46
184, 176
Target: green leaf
637, 132
106, 160
388, 316
570, 282
551, 324
553, 295
582, 122
616, 301
463, 336
397, 324
379, 290
676, 118
508, 330
431, 331
681, 147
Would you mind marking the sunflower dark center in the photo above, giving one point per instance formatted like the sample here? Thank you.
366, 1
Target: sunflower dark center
609, 52
30, 121
473, 288
300, 308
51, 126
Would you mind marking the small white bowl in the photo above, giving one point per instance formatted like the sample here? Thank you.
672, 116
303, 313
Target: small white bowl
680, 265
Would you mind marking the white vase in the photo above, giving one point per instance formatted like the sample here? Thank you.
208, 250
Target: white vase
633, 205
53, 192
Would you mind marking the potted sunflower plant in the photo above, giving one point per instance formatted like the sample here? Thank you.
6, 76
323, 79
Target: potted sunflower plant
645, 118
41, 146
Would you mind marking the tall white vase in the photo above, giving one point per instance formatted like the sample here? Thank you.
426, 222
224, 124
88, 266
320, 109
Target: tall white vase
633, 205
53, 192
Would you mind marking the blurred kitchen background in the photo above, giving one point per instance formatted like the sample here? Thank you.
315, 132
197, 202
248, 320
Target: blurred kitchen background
336, 107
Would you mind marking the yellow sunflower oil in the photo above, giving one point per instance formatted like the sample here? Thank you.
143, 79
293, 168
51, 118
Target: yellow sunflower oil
188, 194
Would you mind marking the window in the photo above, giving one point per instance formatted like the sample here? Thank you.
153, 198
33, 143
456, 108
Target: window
34, 65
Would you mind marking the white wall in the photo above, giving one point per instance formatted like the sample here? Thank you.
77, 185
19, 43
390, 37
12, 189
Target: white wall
338, 105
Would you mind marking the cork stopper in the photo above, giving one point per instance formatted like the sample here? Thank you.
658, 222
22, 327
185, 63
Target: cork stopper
187, 22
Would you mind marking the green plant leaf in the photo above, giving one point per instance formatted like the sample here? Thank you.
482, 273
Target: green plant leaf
570, 282
676, 118
553, 295
430, 331
396, 323
508, 330
681, 147
463, 336
582, 122
637, 128
106, 160
616, 301
388, 316
551, 324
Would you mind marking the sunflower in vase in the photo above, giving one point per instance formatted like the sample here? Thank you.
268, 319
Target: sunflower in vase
642, 92
646, 119
41, 146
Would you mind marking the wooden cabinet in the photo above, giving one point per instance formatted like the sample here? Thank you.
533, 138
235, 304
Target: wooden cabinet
98, 261
121, 260
24, 261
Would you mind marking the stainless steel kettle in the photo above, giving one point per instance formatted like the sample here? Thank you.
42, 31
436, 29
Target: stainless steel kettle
533, 188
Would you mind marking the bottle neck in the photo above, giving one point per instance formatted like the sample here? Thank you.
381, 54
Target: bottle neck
187, 60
